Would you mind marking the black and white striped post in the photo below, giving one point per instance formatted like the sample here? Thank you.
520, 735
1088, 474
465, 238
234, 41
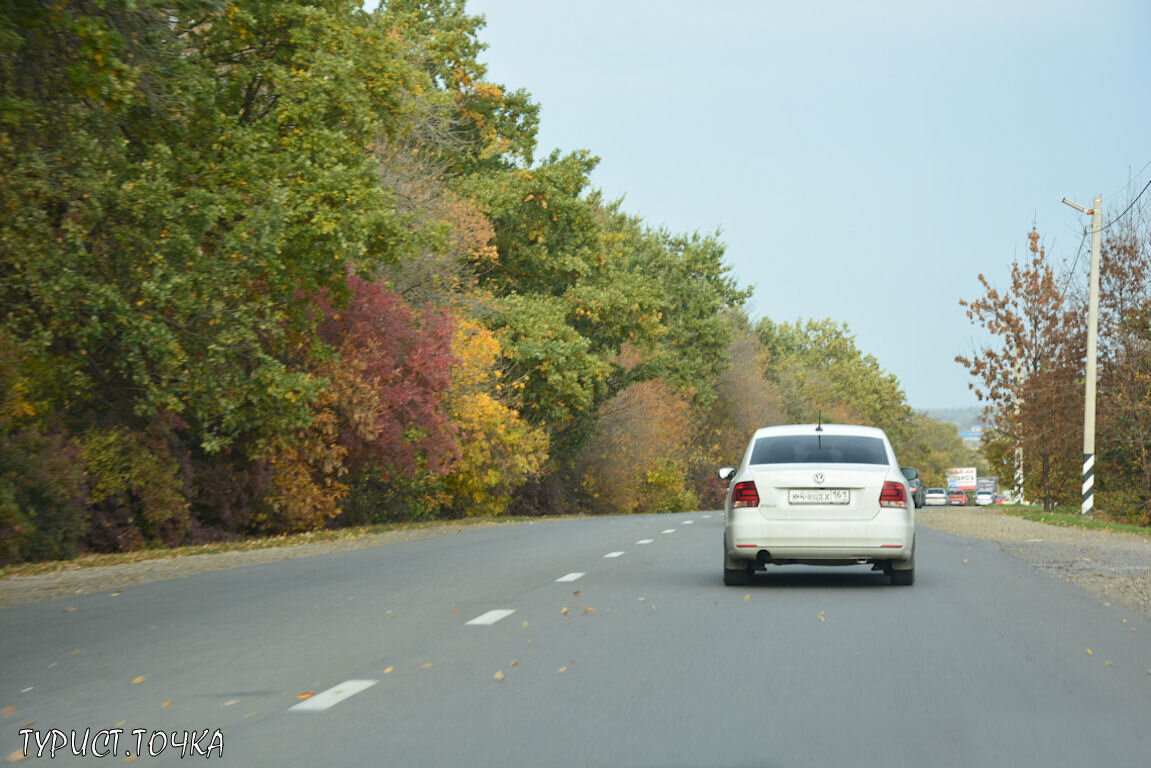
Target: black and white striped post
1092, 332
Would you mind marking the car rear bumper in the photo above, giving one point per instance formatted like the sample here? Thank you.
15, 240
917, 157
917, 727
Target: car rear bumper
887, 536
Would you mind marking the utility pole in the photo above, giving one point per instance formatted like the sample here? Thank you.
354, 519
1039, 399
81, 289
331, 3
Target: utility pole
1096, 212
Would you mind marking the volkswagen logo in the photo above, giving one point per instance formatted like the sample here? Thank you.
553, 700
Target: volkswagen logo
818, 478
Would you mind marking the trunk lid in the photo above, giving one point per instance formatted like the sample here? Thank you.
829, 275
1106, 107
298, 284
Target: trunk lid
820, 492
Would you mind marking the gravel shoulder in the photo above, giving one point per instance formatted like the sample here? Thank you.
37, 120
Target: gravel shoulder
1115, 566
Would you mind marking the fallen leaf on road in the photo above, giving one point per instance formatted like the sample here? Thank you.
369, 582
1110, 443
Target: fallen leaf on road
69, 609
513, 663
8, 711
138, 680
166, 704
587, 610
306, 695
500, 675
428, 665
526, 625
117, 592
565, 669
564, 610
455, 608
388, 671
746, 597
16, 756
575, 594
231, 703
1107, 663
1090, 652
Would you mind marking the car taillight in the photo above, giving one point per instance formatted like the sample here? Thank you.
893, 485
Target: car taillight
892, 495
745, 495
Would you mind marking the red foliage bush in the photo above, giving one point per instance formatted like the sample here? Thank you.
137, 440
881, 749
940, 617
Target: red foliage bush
390, 381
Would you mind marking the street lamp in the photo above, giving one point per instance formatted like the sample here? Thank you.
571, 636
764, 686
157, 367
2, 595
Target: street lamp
1092, 332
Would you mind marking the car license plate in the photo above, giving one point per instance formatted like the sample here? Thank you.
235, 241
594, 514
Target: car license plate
819, 496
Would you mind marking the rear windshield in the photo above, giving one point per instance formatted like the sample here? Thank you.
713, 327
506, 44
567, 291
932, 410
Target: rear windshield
826, 449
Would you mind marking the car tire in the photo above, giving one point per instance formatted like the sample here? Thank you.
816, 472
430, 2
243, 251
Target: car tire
739, 577
904, 578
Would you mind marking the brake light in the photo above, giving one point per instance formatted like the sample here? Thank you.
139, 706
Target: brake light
892, 495
745, 495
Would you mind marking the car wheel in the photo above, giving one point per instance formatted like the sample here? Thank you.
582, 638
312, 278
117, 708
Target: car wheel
739, 577
904, 578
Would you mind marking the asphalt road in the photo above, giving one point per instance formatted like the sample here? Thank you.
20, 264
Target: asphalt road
641, 657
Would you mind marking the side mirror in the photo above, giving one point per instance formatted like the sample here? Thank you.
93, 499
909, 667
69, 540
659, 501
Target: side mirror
726, 473
910, 473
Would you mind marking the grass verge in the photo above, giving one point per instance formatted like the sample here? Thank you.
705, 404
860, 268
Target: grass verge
243, 545
1071, 520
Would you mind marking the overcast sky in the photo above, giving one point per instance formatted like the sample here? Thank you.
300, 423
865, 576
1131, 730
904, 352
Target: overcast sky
864, 160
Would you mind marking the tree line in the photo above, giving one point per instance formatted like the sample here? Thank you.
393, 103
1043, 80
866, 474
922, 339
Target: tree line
1032, 372
270, 266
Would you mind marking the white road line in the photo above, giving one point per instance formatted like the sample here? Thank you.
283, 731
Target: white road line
332, 696
687, 522
645, 541
669, 530
706, 517
614, 554
570, 577
491, 617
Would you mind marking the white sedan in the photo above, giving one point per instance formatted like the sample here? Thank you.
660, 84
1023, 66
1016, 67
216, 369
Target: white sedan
936, 497
830, 494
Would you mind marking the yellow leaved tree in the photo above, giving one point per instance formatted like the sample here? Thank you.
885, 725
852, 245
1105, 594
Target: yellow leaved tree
498, 449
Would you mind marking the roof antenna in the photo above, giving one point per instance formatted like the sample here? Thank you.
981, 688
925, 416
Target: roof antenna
818, 432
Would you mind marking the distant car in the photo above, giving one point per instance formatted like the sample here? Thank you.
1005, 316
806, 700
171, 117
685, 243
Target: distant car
984, 498
1001, 498
917, 489
830, 494
935, 497
957, 498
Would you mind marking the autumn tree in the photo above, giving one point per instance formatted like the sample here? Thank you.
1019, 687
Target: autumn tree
1124, 401
1030, 374
819, 370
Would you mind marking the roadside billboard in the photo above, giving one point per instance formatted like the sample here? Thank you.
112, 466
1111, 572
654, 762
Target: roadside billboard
961, 478
987, 484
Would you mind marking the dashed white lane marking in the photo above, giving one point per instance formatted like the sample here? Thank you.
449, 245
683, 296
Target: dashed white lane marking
570, 577
687, 522
669, 530
706, 517
614, 554
491, 617
645, 541
332, 696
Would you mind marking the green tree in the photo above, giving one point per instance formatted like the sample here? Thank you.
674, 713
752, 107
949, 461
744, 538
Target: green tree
820, 371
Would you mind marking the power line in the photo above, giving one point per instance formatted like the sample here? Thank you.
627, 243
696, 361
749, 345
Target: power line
1108, 224
1074, 263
